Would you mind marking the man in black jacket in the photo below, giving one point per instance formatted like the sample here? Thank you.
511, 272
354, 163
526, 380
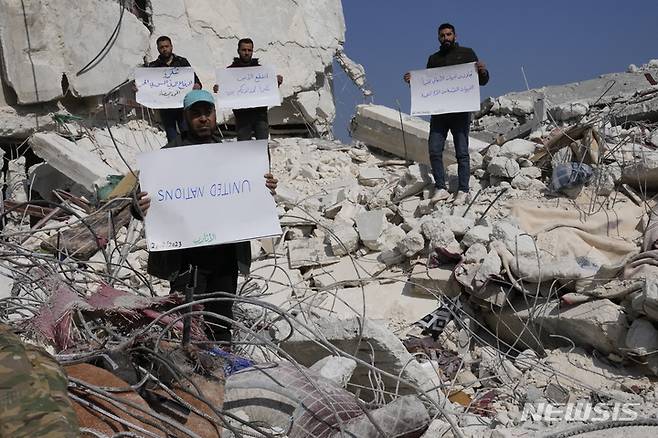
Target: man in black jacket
458, 124
216, 266
249, 121
172, 117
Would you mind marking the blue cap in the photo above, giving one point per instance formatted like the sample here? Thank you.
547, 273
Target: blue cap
196, 96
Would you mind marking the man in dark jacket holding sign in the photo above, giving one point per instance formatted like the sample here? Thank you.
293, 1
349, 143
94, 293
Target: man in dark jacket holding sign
458, 124
250, 121
211, 268
171, 117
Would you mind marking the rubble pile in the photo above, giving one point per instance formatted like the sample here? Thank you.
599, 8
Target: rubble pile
378, 311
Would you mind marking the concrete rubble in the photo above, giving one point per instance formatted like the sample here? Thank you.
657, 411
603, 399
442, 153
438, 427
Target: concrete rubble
376, 302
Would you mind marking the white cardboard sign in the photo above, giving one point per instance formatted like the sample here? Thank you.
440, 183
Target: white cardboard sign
452, 89
207, 194
163, 87
247, 87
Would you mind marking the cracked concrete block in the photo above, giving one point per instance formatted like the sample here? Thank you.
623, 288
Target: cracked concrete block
281, 282
371, 176
335, 368
475, 253
371, 225
491, 265
299, 216
412, 182
438, 233
600, 324
605, 178
493, 363
527, 359
85, 168
391, 257
412, 244
531, 172
348, 272
459, 225
389, 238
431, 281
379, 126
522, 182
408, 207
475, 161
503, 167
287, 196
517, 148
478, 234
516, 240
343, 239
308, 171
642, 337
43, 179
310, 252
646, 301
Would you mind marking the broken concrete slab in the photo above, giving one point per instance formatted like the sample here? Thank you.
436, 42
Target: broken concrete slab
414, 180
478, 234
434, 281
622, 87
394, 303
642, 171
371, 176
379, 126
349, 271
503, 167
439, 235
335, 368
371, 342
642, 338
371, 225
412, 244
343, 239
600, 324
518, 148
279, 282
85, 168
310, 252
299, 216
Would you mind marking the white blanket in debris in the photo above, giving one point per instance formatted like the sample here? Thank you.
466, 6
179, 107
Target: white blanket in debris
571, 243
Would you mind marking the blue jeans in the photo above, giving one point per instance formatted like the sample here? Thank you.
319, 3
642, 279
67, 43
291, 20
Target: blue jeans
458, 124
171, 118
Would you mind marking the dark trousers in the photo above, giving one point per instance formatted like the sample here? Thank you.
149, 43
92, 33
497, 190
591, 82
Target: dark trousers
458, 124
222, 277
248, 123
173, 122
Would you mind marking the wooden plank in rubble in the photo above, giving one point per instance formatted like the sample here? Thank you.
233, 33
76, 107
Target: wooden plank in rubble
79, 242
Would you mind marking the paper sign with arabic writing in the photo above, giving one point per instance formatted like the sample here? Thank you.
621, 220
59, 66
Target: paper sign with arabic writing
163, 87
453, 89
207, 194
247, 87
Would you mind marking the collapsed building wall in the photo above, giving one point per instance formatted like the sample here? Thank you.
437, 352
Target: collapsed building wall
54, 56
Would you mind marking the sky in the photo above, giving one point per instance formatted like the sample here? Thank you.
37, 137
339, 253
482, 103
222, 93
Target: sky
555, 42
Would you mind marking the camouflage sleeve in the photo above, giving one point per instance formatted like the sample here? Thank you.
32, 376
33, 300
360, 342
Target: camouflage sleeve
34, 399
